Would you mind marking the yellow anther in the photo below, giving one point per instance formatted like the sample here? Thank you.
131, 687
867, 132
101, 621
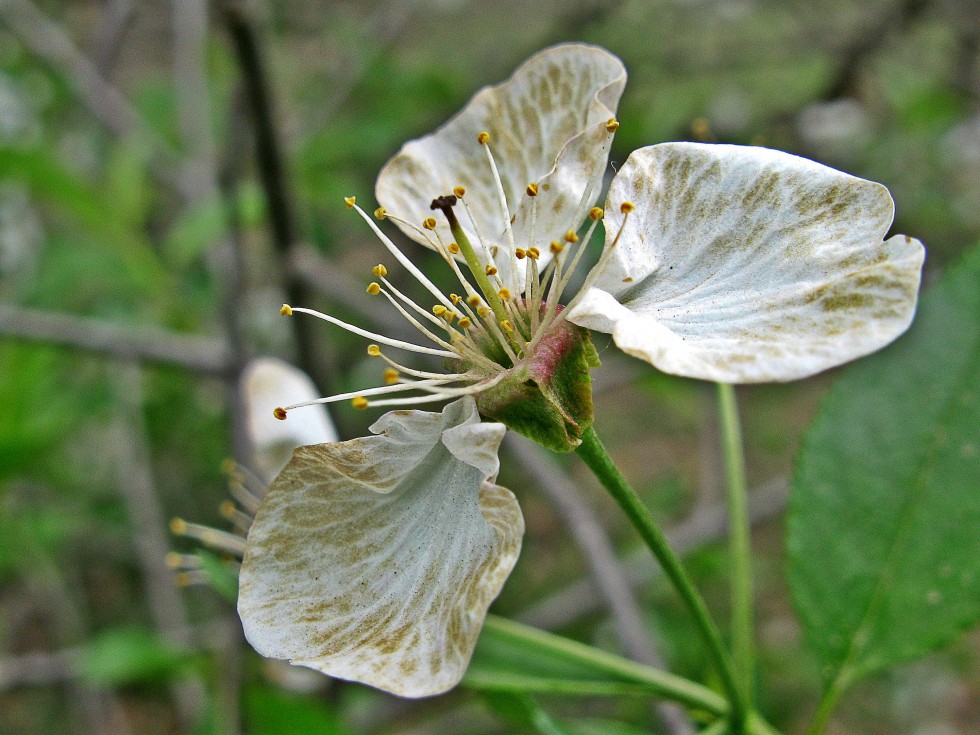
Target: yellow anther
571, 237
473, 300
449, 315
531, 190
374, 351
350, 202
174, 560
627, 207
491, 270
465, 322
520, 253
556, 247
533, 253
504, 294
280, 413
286, 310
595, 214
453, 248
379, 270
506, 325
701, 129
380, 212
612, 125
439, 309
227, 509
483, 138
459, 191
429, 223
483, 312
360, 403
390, 376
178, 526
374, 288
455, 298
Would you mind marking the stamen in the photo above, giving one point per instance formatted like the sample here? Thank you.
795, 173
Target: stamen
210, 537
427, 374
502, 196
409, 266
380, 390
182, 561
409, 302
441, 395
417, 324
248, 500
378, 337
626, 208
241, 521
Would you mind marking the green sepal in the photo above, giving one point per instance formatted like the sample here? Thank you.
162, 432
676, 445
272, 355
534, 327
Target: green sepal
548, 396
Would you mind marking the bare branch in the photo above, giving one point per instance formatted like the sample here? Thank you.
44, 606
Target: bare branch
151, 344
103, 100
148, 523
581, 598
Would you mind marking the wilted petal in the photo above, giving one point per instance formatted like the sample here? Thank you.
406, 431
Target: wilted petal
376, 559
268, 382
745, 265
547, 125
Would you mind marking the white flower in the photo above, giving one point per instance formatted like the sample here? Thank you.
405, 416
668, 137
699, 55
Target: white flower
376, 559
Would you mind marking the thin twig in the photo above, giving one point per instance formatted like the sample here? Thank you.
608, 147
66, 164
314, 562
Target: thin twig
604, 568
104, 101
152, 344
567, 605
271, 168
148, 522
115, 17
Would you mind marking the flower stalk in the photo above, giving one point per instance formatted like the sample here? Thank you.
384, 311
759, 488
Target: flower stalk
739, 541
594, 454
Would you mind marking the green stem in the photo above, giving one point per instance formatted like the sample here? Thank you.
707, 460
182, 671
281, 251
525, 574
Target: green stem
661, 683
474, 264
595, 456
739, 541
826, 707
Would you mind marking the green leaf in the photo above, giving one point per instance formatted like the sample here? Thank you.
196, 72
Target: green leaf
274, 712
222, 576
884, 511
522, 711
129, 655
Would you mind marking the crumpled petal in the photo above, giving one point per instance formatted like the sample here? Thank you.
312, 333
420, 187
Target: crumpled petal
376, 559
745, 265
547, 125
268, 382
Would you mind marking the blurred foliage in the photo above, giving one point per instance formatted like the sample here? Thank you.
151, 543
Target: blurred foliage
98, 224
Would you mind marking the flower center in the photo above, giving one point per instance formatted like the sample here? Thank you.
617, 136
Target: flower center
491, 328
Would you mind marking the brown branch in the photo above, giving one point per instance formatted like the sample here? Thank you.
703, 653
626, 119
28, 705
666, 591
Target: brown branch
271, 168
104, 101
148, 522
149, 344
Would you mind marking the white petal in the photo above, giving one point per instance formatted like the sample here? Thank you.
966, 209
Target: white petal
376, 559
267, 383
746, 265
547, 124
